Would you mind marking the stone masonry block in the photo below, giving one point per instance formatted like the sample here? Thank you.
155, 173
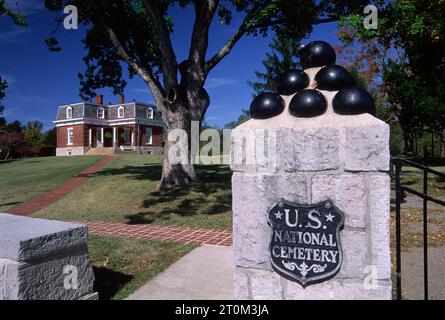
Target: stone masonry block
46, 280
24, 238
355, 251
241, 284
310, 149
378, 185
43, 259
338, 289
265, 285
253, 196
366, 148
348, 191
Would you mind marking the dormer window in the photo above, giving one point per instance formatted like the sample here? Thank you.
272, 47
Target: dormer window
101, 113
69, 112
120, 112
150, 113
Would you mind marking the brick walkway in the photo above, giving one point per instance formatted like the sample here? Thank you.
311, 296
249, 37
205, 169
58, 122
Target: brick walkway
163, 233
35, 204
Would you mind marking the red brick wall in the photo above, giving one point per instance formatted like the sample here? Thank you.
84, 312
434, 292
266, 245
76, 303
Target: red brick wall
80, 136
156, 133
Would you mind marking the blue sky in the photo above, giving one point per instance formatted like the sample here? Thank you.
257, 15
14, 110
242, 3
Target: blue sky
40, 80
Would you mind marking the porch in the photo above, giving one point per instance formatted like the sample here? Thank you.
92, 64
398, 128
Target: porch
120, 139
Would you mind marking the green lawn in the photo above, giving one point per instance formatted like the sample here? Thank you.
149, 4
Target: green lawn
21, 180
125, 191
123, 265
413, 178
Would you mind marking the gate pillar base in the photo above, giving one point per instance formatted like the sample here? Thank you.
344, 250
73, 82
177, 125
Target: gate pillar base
343, 159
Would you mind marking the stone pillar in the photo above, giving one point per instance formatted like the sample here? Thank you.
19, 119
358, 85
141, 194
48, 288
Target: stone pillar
44, 259
344, 159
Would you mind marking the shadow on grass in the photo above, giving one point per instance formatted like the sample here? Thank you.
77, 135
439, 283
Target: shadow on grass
151, 171
210, 196
10, 203
109, 282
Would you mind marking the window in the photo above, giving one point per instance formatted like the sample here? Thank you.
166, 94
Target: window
150, 113
69, 112
70, 135
149, 133
120, 112
100, 113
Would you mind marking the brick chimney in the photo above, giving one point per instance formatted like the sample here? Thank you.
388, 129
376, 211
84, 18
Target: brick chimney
100, 99
122, 99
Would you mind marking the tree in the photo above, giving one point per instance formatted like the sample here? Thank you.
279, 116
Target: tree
138, 34
3, 86
18, 19
411, 40
10, 142
282, 58
244, 116
33, 135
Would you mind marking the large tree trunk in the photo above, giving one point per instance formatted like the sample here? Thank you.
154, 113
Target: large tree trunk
186, 108
174, 174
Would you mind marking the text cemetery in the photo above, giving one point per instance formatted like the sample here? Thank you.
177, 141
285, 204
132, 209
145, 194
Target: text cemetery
305, 245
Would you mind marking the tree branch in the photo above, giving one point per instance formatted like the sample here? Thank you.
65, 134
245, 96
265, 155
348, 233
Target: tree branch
145, 73
169, 64
239, 33
204, 13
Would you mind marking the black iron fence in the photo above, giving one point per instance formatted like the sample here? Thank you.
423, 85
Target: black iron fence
400, 191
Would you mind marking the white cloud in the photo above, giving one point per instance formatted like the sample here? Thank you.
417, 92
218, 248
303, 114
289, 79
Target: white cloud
219, 82
140, 90
14, 34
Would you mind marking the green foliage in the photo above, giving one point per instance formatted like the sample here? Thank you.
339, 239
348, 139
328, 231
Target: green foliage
411, 34
17, 17
33, 135
245, 115
137, 33
282, 57
20, 20
3, 87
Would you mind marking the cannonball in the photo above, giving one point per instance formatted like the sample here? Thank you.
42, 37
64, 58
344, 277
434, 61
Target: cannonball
308, 103
333, 78
353, 100
266, 105
291, 82
317, 54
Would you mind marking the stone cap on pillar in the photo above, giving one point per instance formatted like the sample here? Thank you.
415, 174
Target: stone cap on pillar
25, 239
331, 141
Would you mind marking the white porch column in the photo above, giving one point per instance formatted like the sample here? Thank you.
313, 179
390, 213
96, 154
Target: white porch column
89, 137
132, 137
114, 137
102, 136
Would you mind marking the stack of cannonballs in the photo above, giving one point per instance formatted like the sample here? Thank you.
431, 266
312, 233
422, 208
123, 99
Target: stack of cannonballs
320, 85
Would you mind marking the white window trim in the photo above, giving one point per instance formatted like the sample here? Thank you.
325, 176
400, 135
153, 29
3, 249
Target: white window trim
68, 143
119, 113
151, 135
103, 113
150, 113
70, 114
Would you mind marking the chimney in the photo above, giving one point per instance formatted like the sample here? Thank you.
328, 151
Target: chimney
122, 99
99, 98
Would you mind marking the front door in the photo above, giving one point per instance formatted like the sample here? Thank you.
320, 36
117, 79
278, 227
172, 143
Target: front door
127, 137
99, 142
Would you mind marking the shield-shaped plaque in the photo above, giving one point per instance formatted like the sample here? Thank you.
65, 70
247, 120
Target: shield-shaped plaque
305, 244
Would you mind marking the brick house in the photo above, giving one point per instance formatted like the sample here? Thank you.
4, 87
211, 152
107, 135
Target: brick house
95, 128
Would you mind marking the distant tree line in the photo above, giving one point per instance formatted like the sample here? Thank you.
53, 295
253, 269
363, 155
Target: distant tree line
18, 141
